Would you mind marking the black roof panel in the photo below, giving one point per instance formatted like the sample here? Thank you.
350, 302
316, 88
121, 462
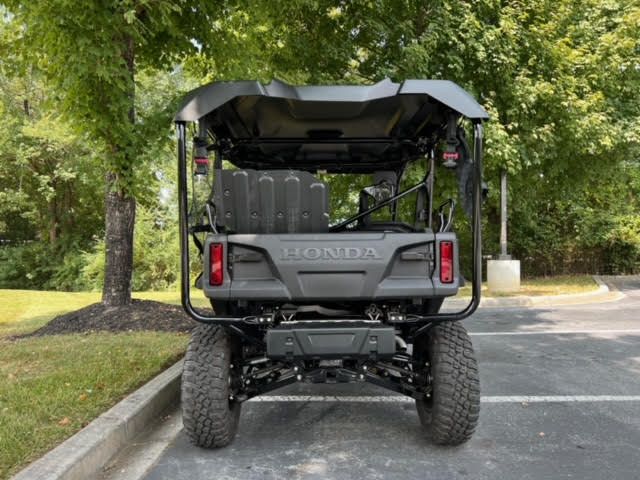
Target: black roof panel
206, 99
338, 127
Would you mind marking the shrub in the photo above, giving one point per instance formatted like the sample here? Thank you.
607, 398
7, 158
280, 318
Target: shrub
156, 258
27, 266
622, 248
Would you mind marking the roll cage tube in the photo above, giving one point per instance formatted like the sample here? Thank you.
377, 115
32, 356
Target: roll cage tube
185, 284
424, 322
476, 230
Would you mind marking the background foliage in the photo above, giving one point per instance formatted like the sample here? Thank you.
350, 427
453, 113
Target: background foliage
560, 79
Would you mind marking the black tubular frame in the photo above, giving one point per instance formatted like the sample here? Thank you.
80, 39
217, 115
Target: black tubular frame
423, 322
320, 140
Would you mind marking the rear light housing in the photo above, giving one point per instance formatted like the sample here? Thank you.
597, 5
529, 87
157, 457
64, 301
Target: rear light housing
216, 264
446, 262
201, 166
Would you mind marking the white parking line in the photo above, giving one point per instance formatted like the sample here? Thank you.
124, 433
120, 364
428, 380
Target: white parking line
559, 398
486, 399
333, 398
556, 332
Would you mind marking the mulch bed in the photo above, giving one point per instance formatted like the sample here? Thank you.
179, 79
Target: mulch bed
139, 315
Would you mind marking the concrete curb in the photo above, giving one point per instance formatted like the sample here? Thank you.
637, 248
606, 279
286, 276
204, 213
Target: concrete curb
85, 454
601, 294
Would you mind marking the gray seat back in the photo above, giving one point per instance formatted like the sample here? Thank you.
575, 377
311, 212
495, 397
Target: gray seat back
272, 201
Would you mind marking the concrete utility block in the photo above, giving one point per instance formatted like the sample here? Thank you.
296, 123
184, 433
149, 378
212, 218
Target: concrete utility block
503, 275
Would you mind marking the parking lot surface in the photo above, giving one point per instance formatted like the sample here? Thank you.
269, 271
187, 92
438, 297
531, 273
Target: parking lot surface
560, 399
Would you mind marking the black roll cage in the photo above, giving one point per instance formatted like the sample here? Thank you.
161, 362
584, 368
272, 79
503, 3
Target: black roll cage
423, 322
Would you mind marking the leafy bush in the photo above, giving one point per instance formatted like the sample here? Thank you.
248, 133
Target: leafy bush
156, 256
93, 267
41, 266
67, 274
622, 250
27, 266
585, 224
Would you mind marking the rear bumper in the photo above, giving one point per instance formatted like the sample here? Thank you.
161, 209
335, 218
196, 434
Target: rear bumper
313, 343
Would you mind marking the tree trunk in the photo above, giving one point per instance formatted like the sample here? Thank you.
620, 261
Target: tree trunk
120, 213
54, 223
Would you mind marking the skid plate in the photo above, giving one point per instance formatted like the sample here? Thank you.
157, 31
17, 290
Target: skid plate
331, 342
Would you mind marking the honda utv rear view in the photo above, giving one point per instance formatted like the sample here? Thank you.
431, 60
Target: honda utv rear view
306, 286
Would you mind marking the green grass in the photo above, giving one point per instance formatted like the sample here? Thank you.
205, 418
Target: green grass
564, 284
50, 387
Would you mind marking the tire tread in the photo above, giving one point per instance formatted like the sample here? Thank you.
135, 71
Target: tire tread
210, 420
453, 413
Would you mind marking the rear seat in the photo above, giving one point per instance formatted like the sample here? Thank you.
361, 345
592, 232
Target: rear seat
271, 201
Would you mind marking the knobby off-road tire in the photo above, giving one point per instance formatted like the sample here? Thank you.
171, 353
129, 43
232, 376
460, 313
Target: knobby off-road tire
210, 418
451, 414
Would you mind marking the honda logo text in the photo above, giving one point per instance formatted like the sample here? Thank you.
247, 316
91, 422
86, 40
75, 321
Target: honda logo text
330, 253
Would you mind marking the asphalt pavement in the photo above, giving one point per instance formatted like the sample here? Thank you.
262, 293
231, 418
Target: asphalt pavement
560, 399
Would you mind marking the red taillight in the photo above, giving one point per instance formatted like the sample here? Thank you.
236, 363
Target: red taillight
216, 264
446, 262
201, 165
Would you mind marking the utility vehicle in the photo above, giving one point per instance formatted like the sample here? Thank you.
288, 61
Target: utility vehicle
303, 294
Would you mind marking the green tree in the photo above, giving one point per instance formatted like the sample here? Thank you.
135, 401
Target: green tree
560, 80
49, 185
91, 54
